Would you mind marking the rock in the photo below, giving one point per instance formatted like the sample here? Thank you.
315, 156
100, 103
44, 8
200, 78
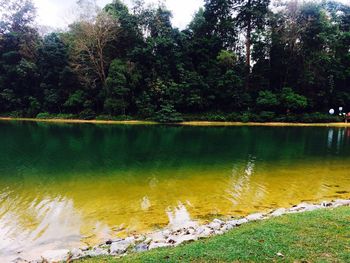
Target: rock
219, 232
166, 233
255, 217
190, 231
139, 239
148, 240
340, 202
154, 245
19, 260
327, 204
86, 248
204, 231
158, 237
226, 227
118, 248
237, 222
177, 240
76, 253
56, 255
96, 251
141, 247
279, 212
218, 221
109, 242
303, 207
215, 225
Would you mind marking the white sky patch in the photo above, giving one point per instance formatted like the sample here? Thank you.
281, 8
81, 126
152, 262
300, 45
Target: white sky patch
59, 13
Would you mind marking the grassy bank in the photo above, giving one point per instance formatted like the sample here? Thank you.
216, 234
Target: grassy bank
187, 123
319, 236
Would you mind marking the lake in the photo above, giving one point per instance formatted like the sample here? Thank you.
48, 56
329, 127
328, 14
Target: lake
70, 185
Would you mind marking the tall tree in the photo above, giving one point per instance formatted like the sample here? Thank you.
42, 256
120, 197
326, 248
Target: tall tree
250, 15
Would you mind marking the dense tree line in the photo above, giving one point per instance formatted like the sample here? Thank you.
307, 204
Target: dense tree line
237, 60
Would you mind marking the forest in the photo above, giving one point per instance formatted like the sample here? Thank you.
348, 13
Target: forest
237, 60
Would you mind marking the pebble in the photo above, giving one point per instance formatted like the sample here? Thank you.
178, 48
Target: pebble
154, 245
56, 255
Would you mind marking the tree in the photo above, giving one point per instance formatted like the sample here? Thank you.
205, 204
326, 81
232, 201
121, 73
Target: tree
250, 16
117, 89
292, 101
89, 42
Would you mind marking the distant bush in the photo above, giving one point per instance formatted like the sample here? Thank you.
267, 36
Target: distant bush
87, 115
266, 116
168, 114
267, 100
320, 117
114, 118
293, 101
215, 116
44, 115
65, 116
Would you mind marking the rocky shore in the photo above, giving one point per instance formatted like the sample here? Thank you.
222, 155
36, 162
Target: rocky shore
173, 236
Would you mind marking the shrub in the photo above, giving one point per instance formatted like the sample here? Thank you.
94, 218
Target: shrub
44, 115
267, 100
320, 117
292, 101
266, 116
87, 114
168, 114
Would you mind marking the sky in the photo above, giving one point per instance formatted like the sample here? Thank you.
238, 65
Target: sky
58, 13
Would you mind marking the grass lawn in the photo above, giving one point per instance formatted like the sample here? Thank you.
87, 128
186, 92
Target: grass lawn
319, 236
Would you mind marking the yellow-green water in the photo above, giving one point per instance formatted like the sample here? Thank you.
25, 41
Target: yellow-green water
62, 186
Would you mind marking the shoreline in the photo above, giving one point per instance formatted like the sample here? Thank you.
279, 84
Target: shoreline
172, 236
185, 123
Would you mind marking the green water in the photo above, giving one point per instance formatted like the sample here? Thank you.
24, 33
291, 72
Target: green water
64, 185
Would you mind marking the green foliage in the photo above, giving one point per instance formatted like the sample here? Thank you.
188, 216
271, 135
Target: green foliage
227, 58
167, 114
43, 115
267, 100
133, 62
293, 101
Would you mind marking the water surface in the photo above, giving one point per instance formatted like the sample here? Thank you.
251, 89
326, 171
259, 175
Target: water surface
66, 185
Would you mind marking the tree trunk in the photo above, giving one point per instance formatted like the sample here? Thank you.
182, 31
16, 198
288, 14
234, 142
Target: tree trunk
248, 45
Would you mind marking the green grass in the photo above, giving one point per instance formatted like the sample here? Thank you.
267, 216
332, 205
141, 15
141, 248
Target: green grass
319, 236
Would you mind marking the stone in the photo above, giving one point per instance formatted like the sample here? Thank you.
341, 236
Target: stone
76, 253
218, 221
226, 227
177, 240
204, 231
139, 239
118, 248
158, 237
304, 207
255, 217
141, 247
97, 251
279, 212
148, 240
215, 225
19, 260
340, 202
56, 255
219, 232
155, 245
327, 204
